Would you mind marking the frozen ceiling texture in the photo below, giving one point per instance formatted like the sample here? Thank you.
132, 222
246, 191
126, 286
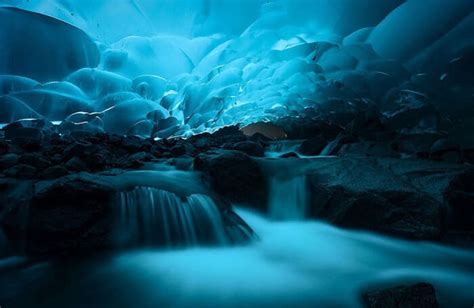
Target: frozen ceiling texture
162, 68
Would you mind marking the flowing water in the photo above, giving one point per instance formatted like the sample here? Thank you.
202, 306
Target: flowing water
154, 217
288, 198
292, 263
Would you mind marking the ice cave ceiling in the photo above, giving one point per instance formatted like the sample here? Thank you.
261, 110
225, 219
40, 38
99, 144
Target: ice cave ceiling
166, 68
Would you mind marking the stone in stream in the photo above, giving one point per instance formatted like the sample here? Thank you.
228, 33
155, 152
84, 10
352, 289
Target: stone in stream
420, 295
234, 175
77, 215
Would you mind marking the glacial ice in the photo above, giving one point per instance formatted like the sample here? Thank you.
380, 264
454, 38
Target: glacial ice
160, 76
48, 49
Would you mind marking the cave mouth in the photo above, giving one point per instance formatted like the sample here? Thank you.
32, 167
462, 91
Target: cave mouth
223, 153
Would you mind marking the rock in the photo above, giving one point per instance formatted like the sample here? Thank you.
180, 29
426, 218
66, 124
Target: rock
248, 147
134, 161
396, 197
134, 144
35, 160
460, 197
402, 214
4, 147
418, 143
313, 146
67, 216
54, 172
76, 164
289, 155
420, 295
8, 160
414, 113
234, 175
306, 128
21, 171
368, 148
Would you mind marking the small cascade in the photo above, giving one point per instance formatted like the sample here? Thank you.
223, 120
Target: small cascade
288, 198
153, 217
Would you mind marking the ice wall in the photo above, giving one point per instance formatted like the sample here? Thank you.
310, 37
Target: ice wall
181, 67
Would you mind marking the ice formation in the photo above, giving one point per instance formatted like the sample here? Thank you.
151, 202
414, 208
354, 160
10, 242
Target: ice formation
186, 67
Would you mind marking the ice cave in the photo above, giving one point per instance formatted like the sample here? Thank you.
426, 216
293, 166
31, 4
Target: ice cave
236, 153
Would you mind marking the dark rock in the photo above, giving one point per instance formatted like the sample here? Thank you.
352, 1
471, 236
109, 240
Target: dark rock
54, 172
134, 144
182, 149
227, 131
4, 147
414, 113
8, 160
289, 155
417, 143
403, 214
306, 128
21, 171
76, 164
313, 146
460, 197
369, 148
248, 147
67, 216
234, 175
134, 161
391, 196
420, 295
34, 160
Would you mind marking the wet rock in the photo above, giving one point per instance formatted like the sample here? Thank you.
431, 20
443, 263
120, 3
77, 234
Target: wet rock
396, 197
4, 147
67, 216
460, 197
403, 214
76, 164
21, 171
133, 144
418, 143
35, 160
134, 161
420, 295
289, 155
8, 160
248, 147
234, 175
54, 172
413, 114
312, 147
306, 128
368, 148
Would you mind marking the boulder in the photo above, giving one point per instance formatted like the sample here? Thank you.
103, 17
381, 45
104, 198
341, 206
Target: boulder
420, 295
460, 197
67, 216
313, 146
395, 197
248, 147
233, 175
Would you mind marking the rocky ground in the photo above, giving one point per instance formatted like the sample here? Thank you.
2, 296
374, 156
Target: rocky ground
398, 185
56, 190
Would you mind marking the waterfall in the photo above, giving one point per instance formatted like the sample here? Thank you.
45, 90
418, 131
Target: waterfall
153, 217
288, 198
